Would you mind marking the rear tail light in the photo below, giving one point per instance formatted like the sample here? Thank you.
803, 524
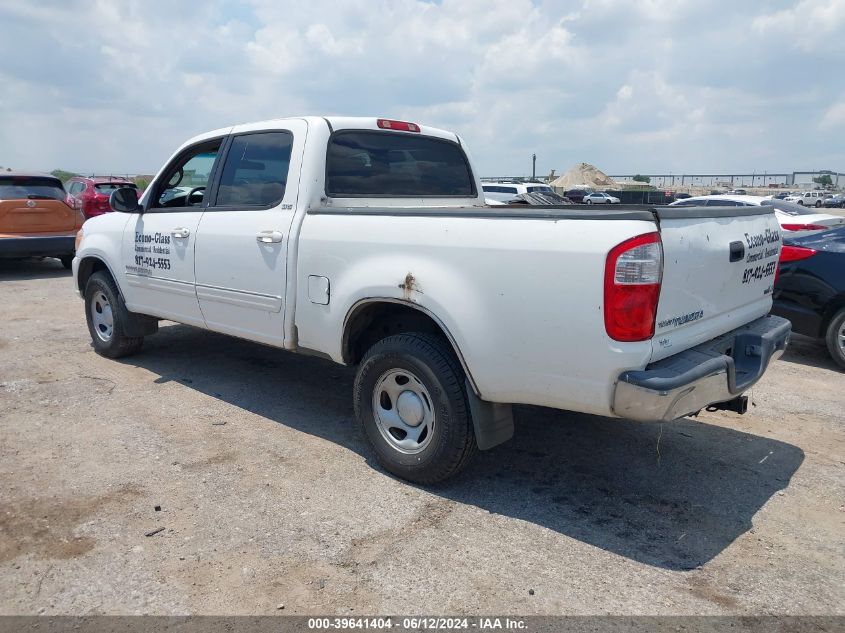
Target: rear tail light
803, 227
402, 126
793, 254
632, 276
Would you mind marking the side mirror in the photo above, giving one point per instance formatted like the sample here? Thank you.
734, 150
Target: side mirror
124, 200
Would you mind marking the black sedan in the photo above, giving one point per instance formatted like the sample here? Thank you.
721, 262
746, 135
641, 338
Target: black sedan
810, 288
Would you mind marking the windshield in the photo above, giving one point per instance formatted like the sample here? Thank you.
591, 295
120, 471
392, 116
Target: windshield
32, 188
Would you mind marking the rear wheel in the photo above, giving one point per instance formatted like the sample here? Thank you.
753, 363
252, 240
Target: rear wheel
107, 316
67, 261
835, 337
410, 402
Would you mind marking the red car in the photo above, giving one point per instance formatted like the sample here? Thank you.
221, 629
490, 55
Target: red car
91, 194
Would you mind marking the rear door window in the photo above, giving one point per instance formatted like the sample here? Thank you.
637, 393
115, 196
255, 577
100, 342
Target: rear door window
255, 173
382, 164
31, 188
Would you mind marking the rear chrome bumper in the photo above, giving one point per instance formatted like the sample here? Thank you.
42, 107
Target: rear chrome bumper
716, 371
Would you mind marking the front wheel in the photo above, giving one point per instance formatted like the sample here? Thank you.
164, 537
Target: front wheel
835, 337
410, 402
107, 315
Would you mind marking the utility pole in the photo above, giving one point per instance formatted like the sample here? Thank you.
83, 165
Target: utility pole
533, 166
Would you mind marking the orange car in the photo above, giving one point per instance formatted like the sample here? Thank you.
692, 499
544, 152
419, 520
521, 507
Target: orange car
35, 218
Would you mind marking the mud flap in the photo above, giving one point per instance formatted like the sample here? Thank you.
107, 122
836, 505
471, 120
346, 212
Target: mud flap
139, 324
493, 422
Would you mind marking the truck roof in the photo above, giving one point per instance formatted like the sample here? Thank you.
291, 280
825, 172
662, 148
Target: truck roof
334, 122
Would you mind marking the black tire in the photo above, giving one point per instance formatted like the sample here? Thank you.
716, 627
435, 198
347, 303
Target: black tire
432, 361
67, 261
116, 344
836, 329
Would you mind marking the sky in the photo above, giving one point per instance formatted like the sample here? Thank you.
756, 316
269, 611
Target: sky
645, 86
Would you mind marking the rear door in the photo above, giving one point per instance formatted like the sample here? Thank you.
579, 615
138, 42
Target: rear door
244, 236
35, 205
159, 244
719, 266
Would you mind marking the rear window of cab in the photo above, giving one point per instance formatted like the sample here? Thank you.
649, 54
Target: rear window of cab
108, 187
375, 164
31, 188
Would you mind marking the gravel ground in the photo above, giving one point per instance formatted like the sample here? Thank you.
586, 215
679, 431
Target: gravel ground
267, 496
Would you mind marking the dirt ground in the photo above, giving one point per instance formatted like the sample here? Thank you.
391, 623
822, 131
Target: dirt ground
268, 498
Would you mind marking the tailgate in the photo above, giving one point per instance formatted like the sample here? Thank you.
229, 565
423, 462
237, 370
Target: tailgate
719, 266
21, 217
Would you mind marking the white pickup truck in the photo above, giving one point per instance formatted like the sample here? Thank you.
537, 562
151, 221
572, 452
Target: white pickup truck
367, 242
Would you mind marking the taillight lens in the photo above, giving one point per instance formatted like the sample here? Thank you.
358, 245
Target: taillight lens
803, 227
402, 126
793, 254
632, 276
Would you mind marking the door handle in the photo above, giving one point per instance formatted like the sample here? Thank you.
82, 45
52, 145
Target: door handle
180, 233
269, 237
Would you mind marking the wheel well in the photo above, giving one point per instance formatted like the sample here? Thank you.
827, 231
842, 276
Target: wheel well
88, 267
831, 311
371, 322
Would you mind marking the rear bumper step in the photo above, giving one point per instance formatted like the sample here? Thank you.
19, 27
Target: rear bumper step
712, 374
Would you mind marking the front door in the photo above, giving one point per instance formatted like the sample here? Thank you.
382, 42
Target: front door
244, 234
159, 244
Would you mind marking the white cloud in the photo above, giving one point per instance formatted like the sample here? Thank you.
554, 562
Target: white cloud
115, 85
835, 115
806, 24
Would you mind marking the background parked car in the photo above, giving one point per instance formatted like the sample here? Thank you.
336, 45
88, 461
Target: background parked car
793, 218
810, 288
91, 194
808, 198
835, 201
576, 195
35, 219
503, 190
599, 197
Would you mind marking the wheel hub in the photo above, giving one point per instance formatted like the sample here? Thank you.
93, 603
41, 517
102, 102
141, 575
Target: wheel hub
403, 411
102, 317
410, 408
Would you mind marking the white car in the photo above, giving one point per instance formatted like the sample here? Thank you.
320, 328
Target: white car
600, 197
792, 217
808, 198
367, 242
503, 191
